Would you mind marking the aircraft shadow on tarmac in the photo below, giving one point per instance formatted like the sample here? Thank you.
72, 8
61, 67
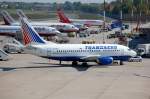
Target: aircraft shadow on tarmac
50, 65
79, 68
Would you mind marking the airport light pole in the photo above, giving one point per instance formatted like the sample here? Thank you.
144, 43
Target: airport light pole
104, 21
140, 13
147, 9
132, 15
121, 17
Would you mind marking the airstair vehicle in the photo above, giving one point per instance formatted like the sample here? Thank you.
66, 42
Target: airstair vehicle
3, 55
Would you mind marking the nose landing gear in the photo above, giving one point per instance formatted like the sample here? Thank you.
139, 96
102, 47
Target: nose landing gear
74, 63
121, 62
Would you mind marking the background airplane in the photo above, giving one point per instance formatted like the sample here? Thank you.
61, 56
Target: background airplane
64, 19
42, 30
62, 27
101, 53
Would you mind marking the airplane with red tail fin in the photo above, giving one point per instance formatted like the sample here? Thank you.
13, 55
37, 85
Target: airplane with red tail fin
64, 19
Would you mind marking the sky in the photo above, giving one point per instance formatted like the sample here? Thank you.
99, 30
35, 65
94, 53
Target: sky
58, 1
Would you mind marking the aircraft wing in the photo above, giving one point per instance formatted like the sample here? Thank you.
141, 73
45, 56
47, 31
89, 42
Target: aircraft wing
90, 58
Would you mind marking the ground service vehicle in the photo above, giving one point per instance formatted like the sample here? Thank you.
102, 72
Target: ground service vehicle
3, 55
144, 49
136, 59
13, 46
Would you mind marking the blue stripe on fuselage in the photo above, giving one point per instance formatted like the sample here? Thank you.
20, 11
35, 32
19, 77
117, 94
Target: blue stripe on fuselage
73, 58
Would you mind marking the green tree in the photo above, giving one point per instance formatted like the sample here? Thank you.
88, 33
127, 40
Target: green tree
68, 6
77, 5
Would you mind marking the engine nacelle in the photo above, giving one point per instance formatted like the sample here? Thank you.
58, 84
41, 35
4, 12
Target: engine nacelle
105, 60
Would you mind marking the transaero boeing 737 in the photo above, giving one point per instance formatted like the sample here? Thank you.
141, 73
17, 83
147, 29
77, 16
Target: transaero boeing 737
101, 53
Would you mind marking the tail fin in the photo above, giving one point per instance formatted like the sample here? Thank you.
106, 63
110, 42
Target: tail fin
21, 14
62, 16
29, 33
7, 18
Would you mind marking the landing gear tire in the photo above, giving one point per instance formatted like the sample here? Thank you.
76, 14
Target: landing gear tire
74, 63
121, 62
84, 64
60, 62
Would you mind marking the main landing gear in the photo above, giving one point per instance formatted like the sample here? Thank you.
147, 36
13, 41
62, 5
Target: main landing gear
121, 62
84, 64
60, 62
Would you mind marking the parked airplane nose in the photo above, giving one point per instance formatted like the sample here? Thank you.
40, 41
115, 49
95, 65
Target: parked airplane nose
57, 32
133, 53
77, 29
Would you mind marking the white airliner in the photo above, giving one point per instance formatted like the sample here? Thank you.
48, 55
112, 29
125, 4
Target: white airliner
65, 19
78, 25
100, 53
42, 30
62, 27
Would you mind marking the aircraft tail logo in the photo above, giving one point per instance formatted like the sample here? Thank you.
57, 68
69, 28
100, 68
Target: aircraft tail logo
29, 33
62, 17
7, 18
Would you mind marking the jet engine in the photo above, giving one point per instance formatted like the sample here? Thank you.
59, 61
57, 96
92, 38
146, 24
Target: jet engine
105, 60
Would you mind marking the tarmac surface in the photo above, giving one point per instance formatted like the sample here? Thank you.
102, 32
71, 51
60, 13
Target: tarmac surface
26, 76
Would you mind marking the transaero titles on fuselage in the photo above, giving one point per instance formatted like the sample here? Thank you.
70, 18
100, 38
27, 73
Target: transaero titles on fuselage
100, 47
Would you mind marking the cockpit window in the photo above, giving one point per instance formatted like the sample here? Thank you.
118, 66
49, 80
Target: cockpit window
129, 49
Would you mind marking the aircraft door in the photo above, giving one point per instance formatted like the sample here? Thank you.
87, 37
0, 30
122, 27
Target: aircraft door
122, 52
49, 52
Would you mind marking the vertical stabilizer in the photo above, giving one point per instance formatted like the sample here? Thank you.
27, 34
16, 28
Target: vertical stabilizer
20, 13
7, 18
62, 16
29, 33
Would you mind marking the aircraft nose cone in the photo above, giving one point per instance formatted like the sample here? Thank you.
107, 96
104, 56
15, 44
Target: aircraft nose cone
86, 27
77, 29
134, 53
57, 32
